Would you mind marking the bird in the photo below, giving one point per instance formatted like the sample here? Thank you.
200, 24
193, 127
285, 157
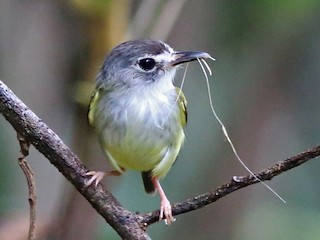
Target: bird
138, 114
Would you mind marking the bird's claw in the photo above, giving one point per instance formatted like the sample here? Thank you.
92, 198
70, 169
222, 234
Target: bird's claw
166, 212
96, 177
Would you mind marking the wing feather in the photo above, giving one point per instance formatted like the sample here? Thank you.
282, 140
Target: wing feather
92, 106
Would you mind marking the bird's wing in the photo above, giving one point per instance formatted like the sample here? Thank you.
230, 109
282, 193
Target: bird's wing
182, 101
92, 106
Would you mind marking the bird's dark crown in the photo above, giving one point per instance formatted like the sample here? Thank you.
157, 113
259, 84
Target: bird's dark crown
140, 48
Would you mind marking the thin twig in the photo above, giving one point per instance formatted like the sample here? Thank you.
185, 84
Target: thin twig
27, 170
235, 184
32, 196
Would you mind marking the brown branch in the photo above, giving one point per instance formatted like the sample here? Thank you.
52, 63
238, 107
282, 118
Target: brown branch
37, 133
235, 184
32, 196
126, 223
27, 170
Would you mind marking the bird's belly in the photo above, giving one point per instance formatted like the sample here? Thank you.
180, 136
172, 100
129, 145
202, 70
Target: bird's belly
142, 147
139, 140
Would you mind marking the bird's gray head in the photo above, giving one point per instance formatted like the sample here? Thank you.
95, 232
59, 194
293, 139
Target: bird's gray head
142, 62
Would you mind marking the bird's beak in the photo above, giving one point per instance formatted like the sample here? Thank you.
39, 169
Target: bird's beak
183, 57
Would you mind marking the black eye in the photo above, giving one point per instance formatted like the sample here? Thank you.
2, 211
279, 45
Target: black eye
147, 64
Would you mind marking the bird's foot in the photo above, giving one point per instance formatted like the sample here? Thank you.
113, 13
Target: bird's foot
96, 177
166, 212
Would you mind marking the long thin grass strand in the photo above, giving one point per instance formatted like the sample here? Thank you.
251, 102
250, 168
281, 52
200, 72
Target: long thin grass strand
224, 130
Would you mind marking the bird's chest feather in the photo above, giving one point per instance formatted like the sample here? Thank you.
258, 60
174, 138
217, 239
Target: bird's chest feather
141, 119
139, 129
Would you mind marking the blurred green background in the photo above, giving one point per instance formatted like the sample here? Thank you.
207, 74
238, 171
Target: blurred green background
265, 87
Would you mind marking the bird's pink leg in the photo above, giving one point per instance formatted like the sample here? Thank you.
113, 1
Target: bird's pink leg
165, 206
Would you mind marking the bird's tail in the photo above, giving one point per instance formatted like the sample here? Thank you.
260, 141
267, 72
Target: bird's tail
147, 182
